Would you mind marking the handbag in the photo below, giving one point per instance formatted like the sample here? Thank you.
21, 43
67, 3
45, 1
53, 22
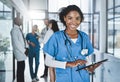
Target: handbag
26, 51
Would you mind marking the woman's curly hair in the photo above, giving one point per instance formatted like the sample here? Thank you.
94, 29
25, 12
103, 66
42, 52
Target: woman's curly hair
65, 10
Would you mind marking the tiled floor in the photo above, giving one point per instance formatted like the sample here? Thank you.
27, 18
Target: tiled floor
6, 76
40, 71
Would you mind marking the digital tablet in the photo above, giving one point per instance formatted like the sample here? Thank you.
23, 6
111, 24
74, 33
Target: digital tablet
92, 64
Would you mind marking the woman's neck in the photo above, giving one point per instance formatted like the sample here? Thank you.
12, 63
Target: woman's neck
72, 34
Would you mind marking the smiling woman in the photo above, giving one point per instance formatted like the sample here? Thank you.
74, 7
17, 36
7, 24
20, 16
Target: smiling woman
63, 49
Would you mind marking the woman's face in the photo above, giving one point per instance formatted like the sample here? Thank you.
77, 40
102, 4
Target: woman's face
50, 25
72, 20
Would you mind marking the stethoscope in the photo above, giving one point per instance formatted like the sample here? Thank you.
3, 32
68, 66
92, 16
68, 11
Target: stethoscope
68, 45
68, 41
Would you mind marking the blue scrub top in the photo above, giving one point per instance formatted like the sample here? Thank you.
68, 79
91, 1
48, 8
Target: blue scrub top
63, 50
33, 38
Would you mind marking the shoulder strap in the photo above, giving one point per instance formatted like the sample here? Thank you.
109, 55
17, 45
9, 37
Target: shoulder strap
23, 37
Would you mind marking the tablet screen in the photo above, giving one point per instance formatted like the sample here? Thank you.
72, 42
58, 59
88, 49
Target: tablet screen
92, 64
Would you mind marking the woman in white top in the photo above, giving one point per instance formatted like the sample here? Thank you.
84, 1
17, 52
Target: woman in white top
53, 27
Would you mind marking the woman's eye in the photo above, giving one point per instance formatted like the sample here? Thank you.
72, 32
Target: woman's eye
70, 18
78, 18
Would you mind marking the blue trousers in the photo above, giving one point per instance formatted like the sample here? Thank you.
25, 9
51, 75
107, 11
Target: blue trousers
33, 71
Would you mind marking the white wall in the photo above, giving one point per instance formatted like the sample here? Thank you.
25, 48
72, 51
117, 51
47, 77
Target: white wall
109, 70
38, 4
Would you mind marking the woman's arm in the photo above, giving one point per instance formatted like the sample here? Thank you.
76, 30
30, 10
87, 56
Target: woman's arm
50, 61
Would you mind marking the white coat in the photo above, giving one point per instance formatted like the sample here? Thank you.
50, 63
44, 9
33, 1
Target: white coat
18, 43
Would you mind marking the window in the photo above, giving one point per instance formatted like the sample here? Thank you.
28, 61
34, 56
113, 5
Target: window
113, 21
60, 3
90, 25
6, 55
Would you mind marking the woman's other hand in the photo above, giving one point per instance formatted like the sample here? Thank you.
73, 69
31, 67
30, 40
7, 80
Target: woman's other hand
92, 68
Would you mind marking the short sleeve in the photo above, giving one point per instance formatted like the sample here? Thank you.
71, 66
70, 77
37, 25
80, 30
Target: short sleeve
27, 37
51, 46
89, 46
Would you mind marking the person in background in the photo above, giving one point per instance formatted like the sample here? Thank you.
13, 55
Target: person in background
53, 27
44, 30
19, 48
42, 35
64, 50
34, 49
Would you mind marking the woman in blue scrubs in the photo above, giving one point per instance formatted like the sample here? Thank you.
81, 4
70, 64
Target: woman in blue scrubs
67, 49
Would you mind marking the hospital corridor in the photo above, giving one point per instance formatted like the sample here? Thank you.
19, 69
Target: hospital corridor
54, 40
